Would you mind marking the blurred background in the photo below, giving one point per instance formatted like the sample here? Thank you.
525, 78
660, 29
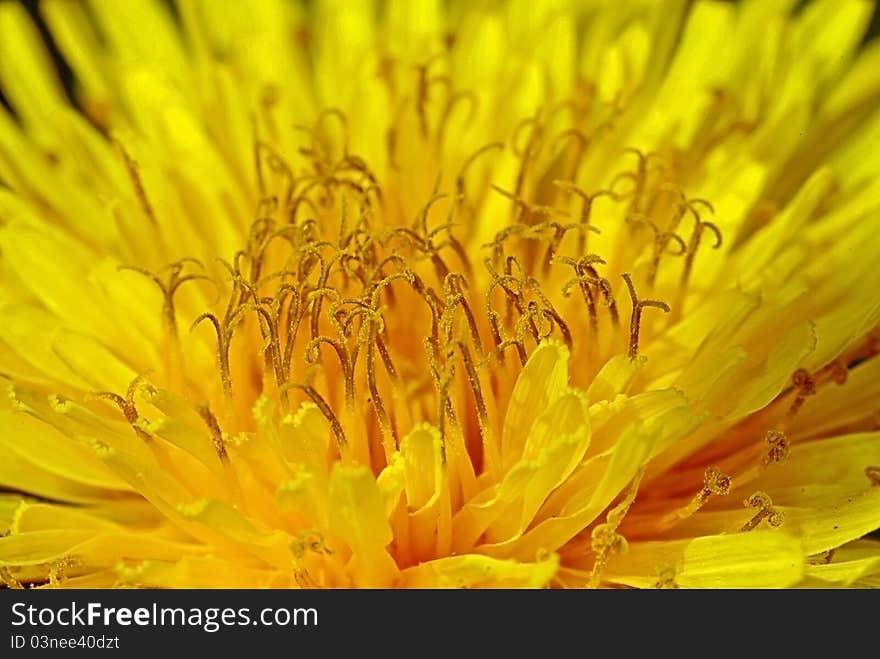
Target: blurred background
67, 80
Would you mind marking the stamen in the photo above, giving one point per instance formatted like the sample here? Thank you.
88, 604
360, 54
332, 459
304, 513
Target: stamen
273, 343
356, 164
527, 323
391, 258
169, 288
321, 289
715, 482
666, 579
520, 349
224, 338
216, 434
495, 330
312, 541
373, 322
497, 244
461, 253
805, 386
425, 83
696, 237
462, 173
434, 305
583, 281
476, 388
549, 311
512, 285
455, 285
824, 558
526, 155
313, 356
278, 165
556, 240
294, 318
587, 268
127, 406
764, 505
873, 474
442, 376
456, 98
301, 199
605, 538
325, 114
137, 183
378, 287
586, 209
556, 320
665, 189
779, 447
422, 218
636, 317
639, 178
580, 139
662, 242
385, 355
835, 371
324, 408
524, 206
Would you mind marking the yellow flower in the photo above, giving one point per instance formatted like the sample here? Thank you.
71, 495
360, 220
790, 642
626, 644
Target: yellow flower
424, 294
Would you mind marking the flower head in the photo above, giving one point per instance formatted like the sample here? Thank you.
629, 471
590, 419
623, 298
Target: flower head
426, 294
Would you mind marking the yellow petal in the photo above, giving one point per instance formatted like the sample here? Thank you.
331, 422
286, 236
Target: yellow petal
475, 571
541, 381
356, 514
745, 560
423, 465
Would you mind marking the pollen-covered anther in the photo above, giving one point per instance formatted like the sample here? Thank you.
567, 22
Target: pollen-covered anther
779, 447
764, 505
873, 474
715, 482
605, 538
605, 541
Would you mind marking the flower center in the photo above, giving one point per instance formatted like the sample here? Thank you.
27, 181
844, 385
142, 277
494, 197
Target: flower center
381, 317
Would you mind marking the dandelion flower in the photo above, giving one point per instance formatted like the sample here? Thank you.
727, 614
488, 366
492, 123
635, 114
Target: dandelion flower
425, 294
